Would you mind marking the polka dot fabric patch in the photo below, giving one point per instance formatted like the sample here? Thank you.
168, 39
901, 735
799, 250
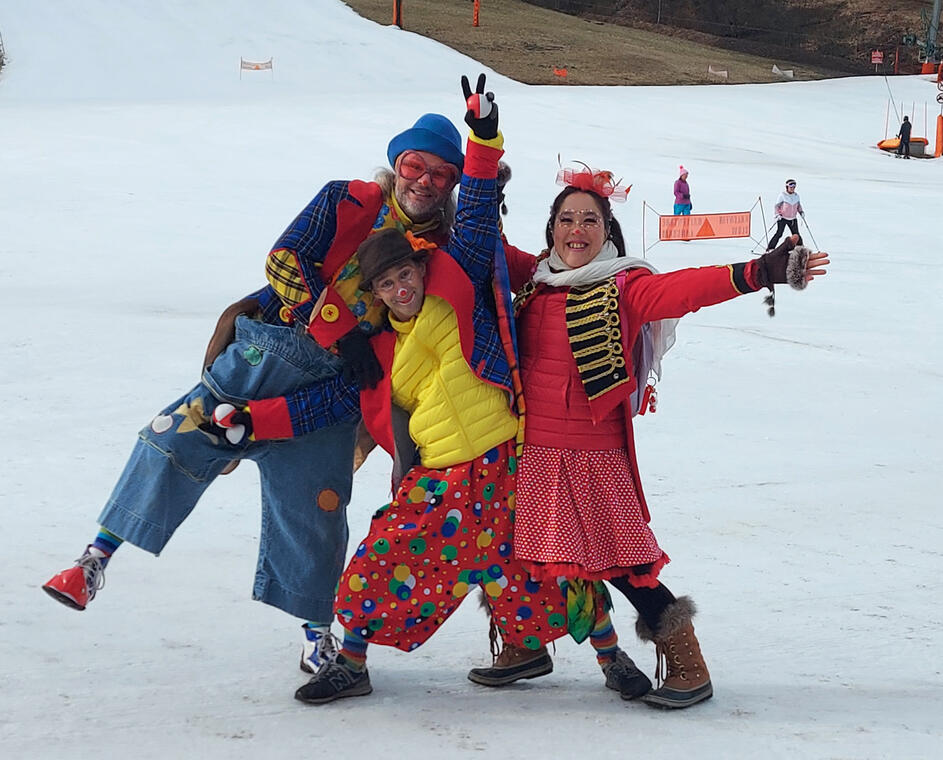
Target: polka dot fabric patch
444, 533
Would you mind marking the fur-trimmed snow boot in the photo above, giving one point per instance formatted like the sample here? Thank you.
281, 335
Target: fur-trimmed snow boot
681, 673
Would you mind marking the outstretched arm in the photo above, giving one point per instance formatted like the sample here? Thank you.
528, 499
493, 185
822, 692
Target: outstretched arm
320, 405
673, 294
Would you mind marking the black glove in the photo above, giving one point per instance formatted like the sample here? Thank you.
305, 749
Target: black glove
482, 113
360, 362
235, 425
785, 264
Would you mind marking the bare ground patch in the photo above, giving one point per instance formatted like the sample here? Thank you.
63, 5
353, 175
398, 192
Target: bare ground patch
527, 43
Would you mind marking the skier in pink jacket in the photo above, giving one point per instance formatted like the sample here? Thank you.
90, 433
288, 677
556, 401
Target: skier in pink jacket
787, 210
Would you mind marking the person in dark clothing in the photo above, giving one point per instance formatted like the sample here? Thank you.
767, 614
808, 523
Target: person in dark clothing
904, 148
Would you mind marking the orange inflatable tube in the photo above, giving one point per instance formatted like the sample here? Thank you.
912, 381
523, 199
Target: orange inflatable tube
892, 143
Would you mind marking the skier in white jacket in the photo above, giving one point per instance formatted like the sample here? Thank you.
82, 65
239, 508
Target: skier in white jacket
787, 210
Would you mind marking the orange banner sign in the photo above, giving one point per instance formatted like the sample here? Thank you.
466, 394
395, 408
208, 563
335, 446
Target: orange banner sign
704, 226
255, 65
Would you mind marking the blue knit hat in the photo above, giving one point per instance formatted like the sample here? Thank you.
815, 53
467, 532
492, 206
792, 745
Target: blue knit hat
432, 133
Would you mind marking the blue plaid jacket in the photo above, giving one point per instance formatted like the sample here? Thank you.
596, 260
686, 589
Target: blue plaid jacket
475, 243
310, 236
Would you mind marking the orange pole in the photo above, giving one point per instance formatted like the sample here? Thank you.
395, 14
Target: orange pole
475, 13
939, 137
398, 13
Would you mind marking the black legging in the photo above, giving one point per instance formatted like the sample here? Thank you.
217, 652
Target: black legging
650, 602
781, 225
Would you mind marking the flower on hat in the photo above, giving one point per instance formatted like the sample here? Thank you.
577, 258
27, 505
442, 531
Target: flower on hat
599, 181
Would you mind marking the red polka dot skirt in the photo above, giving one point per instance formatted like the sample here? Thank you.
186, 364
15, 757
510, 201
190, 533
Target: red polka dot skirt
578, 515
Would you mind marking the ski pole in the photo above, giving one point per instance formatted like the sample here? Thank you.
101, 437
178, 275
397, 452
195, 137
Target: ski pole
765, 242
811, 236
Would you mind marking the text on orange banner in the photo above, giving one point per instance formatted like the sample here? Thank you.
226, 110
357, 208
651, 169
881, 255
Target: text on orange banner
704, 226
255, 65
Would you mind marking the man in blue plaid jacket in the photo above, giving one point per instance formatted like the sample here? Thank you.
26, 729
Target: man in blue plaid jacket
310, 323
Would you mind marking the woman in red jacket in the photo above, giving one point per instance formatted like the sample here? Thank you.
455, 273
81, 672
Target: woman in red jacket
581, 512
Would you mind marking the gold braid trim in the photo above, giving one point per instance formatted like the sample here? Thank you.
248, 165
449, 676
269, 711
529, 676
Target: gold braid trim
523, 296
592, 324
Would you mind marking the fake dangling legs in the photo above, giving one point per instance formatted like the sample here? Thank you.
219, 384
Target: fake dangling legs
77, 586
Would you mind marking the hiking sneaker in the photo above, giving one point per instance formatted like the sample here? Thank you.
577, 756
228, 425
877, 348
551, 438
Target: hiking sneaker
513, 664
334, 680
77, 586
319, 647
623, 676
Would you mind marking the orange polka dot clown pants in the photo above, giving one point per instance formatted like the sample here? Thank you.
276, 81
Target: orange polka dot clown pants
445, 532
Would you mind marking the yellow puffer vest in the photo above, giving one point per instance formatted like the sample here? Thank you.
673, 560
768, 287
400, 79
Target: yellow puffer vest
455, 416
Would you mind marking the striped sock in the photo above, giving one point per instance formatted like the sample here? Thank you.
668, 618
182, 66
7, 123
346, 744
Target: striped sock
354, 649
604, 639
104, 545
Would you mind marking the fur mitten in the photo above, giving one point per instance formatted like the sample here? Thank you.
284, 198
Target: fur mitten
784, 265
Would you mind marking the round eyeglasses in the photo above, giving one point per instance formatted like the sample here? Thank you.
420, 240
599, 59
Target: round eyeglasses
412, 166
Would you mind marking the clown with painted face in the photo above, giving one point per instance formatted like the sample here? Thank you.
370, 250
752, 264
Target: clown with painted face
311, 323
445, 409
588, 319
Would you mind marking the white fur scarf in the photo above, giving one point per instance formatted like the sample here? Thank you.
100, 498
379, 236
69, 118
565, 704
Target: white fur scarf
556, 273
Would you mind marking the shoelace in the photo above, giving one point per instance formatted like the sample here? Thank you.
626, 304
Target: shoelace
325, 650
662, 666
668, 662
94, 574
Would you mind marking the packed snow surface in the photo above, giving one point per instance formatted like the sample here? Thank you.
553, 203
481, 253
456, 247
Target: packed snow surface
792, 468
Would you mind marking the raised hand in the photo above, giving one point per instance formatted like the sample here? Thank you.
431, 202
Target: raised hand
482, 113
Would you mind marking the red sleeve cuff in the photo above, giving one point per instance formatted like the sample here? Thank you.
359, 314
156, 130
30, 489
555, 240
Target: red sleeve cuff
481, 160
750, 274
270, 419
332, 320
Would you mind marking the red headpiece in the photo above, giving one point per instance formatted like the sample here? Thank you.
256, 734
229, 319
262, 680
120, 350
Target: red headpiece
597, 181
